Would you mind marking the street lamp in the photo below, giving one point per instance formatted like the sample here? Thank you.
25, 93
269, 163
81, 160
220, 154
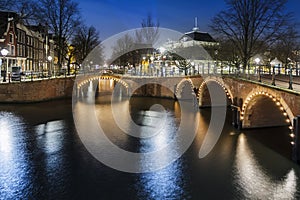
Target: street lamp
257, 60
4, 53
50, 66
291, 75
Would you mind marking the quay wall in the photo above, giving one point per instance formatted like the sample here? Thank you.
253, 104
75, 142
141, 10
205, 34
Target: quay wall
36, 91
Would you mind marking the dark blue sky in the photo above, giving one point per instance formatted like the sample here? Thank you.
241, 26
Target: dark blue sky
114, 16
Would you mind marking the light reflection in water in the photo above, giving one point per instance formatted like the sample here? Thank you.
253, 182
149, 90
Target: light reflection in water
254, 180
15, 171
167, 183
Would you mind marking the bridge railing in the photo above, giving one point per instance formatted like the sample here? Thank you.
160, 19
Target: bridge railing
280, 81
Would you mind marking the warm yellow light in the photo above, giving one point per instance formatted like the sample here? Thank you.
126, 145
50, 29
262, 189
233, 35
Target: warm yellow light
292, 135
281, 108
293, 143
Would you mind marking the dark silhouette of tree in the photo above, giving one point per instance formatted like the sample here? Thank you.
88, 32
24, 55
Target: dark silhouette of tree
62, 18
251, 24
84, 41
285, 47
130, 47
149, 32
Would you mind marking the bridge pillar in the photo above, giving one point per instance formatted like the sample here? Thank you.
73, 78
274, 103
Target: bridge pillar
236, 121
296, 148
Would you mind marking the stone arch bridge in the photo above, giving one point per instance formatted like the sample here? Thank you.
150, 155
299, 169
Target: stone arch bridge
254, 105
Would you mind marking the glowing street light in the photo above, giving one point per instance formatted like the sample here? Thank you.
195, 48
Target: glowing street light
50, 66
4, 53
257, 60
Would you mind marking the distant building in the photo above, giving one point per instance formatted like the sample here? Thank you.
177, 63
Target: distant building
28, 46
199, 47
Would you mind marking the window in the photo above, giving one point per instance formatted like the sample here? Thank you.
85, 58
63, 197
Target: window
18, 50
12, 50
11, 38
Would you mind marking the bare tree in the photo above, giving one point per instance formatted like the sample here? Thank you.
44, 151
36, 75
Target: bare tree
123, 45
24, 8
285, 47
248, 24
62, 17
149, 32
84, 41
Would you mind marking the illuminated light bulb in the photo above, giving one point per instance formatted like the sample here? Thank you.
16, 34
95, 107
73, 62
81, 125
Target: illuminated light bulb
290, 127
292, 135
292, 143
288, 120
278, 103
242, 118
281, 108
285, 114
274, 99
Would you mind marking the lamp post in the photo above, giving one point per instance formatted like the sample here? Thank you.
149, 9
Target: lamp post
4, 53
50, 66
257, 60
291, 76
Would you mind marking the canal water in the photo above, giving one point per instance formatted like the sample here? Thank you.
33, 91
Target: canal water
42, 157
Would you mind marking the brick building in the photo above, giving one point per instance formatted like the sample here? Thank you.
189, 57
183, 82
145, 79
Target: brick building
28, 46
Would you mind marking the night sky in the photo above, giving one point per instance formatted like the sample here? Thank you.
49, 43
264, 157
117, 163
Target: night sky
110, 17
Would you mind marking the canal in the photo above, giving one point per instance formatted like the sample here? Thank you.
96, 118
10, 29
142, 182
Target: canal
42, 157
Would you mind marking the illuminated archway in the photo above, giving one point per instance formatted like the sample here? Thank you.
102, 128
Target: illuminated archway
103, 77
182, 84
203, 88
250, 106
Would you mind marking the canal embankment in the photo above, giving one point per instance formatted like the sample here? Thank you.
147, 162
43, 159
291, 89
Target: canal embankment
36, 91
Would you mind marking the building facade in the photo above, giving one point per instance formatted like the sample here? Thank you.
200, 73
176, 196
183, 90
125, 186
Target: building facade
28, 46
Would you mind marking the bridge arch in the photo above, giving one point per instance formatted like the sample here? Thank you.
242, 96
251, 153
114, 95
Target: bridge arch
89, 84
279, 102
87, 80
279, 105
215, 80
179, 87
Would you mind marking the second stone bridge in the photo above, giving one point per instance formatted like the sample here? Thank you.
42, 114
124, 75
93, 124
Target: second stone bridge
254, 104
